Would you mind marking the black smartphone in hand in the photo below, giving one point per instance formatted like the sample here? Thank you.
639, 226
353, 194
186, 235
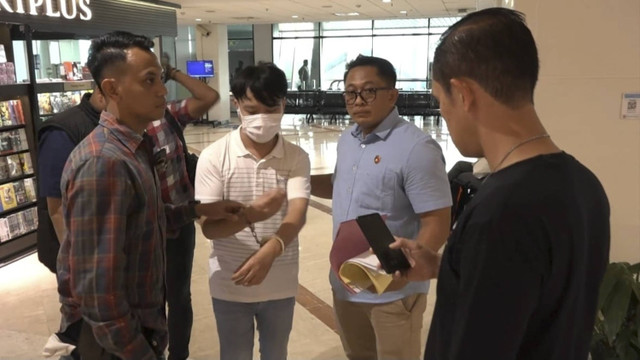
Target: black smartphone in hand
379, 237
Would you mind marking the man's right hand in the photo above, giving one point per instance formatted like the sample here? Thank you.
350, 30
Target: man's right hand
266, 205
425, 263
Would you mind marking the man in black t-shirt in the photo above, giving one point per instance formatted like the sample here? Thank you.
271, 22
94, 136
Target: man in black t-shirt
520, 274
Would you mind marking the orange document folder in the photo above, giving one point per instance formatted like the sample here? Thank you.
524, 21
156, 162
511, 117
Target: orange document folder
352, 262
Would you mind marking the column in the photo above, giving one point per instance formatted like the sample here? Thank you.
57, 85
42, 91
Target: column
212, 44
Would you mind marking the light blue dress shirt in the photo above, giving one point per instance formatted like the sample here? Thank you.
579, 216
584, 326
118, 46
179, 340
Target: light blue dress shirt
397, 170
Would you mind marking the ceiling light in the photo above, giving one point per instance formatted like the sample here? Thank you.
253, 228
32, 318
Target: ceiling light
294, 16
346, 14
386, 1
403, 11
198, 19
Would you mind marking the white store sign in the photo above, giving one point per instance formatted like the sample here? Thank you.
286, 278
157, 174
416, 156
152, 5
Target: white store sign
68, 9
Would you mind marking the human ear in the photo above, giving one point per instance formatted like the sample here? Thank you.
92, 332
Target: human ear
109, 89
461, 91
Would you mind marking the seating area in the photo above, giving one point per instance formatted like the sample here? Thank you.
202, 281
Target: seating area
313, 103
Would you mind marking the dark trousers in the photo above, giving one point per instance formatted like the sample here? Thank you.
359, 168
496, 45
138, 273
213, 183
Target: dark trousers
89, 349
178, 281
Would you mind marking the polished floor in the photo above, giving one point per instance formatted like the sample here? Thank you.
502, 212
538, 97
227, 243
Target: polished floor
29, 304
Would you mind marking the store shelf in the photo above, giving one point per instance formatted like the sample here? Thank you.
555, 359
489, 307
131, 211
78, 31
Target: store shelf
17, 247
11, 152
16, 178
62, 86
13, 90
20, 236
12, 127
18, 208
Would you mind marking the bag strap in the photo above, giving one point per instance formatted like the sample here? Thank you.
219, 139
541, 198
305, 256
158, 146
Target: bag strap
178, 129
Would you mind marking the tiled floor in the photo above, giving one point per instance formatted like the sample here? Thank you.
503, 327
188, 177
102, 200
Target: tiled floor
29, 305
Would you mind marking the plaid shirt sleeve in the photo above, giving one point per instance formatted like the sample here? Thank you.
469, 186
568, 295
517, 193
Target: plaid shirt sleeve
96, 216
180, 111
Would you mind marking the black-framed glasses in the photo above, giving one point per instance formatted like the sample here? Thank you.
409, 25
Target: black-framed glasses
367, 95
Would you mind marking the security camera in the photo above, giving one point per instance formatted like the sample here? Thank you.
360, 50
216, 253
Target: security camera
203, 30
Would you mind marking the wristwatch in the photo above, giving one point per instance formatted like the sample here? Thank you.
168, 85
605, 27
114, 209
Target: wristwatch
191, 209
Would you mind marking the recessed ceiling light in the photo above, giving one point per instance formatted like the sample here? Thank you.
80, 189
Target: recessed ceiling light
198, 19
347, 14
386, 1
294, 16
403, 11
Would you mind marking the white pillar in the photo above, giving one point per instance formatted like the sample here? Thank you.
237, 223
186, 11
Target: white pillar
215, 46
262, 43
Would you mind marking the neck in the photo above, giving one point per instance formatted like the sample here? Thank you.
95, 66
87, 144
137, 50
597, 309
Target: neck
127, 120
512, 135
259, 150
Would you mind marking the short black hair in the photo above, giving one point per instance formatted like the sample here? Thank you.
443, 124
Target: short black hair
109, 50
493, 47
385, 70
267, 83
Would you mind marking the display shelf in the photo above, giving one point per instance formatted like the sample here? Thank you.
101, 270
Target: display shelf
63, 86
12, 152
11, 127
16, 178
13, 90
15, 209
20, 236
19, 246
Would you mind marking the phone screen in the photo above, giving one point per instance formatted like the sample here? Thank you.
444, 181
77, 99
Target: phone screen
379, 237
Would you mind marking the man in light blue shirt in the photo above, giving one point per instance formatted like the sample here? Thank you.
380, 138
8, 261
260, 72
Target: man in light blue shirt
386, 165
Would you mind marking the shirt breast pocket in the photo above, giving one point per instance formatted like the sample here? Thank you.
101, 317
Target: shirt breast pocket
376, 189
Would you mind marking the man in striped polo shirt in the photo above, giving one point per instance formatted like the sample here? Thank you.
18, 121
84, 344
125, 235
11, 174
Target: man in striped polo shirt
254, 259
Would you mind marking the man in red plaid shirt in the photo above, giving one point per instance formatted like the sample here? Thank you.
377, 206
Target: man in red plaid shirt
177, 189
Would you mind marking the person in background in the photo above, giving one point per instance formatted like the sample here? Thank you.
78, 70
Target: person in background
303, 75
389, 166
254, 258
238, 69
520, 274
177, 190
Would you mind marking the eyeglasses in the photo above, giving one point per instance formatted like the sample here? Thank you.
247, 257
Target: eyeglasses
367, 95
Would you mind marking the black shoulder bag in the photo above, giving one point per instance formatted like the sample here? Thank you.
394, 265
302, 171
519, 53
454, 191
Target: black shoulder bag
191, 160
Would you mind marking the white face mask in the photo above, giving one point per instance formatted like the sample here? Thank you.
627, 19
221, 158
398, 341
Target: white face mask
261, 127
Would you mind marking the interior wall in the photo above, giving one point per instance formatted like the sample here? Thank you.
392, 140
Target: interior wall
589, 54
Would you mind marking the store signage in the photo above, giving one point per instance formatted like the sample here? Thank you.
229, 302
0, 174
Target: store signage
68, 9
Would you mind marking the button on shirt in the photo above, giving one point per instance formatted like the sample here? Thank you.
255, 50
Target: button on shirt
112, 260
397, 170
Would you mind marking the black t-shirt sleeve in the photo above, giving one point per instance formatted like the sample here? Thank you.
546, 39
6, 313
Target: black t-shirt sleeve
502, 271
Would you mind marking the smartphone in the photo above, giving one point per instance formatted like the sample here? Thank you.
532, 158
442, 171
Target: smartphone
379, 237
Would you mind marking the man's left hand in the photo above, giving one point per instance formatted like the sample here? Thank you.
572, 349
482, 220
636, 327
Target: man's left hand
255, 269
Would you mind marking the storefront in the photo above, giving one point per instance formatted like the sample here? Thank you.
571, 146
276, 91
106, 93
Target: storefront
43, 50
